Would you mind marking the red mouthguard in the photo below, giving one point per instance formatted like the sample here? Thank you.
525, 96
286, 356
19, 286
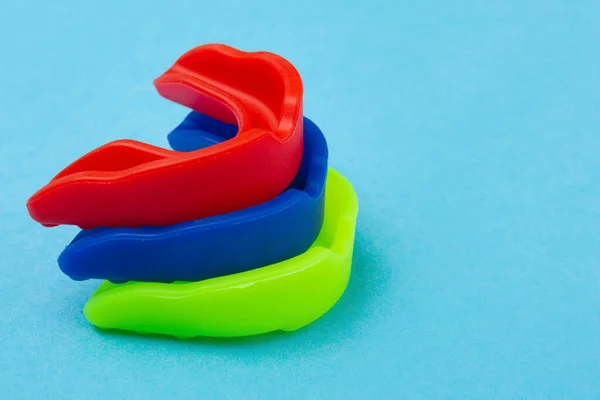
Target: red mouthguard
126, 183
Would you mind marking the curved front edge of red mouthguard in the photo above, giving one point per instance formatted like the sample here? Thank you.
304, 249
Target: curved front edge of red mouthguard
129, 184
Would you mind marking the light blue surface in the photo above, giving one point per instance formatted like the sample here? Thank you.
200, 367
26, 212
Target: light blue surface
470, 129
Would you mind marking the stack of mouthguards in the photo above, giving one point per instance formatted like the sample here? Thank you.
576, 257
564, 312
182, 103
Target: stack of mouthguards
241, 229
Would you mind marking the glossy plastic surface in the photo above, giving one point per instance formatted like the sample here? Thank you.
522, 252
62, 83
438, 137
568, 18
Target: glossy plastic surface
283, 296
130, 184
221, 245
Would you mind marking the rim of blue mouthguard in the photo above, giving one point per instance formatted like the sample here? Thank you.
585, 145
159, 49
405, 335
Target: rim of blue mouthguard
215, 246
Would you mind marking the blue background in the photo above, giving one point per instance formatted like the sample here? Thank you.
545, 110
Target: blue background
470, 130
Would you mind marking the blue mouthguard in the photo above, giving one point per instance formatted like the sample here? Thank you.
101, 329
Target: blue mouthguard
215, 246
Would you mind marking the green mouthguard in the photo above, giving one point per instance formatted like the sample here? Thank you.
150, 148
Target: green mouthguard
284, 296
